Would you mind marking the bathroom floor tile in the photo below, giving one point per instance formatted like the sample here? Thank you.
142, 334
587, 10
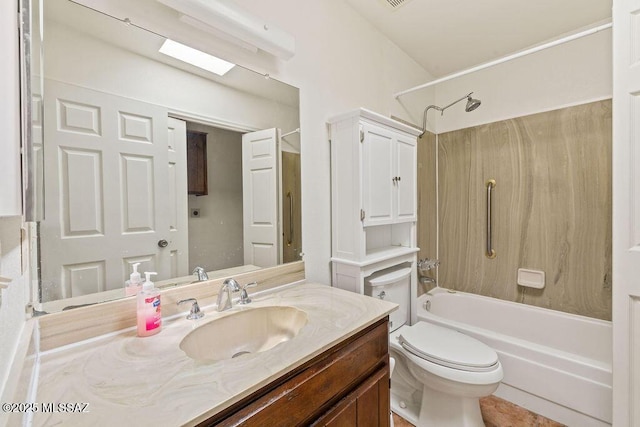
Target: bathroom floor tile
398, 421
498, 412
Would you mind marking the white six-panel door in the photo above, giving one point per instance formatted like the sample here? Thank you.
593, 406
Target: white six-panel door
261, 195
115, 178
626, 213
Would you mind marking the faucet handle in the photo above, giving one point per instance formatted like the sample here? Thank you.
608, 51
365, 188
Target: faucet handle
231, 284
195, 312
244, 295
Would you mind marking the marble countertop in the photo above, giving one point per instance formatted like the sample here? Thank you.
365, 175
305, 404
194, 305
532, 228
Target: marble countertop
126, 380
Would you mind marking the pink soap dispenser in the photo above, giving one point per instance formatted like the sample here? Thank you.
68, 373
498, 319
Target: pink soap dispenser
134, 284
149, 315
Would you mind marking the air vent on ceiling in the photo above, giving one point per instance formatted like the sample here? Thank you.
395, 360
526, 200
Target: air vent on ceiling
395, 4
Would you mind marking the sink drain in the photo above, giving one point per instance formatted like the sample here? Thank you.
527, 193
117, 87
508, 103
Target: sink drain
240, 353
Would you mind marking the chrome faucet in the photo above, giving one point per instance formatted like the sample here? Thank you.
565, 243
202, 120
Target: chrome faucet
202, 275
244, 295
228, 286
195, 312
425, 266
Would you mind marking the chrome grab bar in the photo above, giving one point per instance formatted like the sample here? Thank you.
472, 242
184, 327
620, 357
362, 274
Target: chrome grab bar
290, 239
491, 253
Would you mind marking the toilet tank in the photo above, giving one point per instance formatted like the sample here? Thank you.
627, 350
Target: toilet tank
392, 284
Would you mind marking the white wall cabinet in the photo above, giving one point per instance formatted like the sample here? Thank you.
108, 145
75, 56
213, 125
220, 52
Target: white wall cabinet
373, 196
389, 175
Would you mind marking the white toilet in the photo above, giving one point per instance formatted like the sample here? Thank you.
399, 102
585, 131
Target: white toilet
440, 374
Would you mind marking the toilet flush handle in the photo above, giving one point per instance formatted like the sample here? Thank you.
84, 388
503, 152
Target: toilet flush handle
382, 294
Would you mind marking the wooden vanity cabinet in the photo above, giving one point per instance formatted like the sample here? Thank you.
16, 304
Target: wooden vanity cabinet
348, 385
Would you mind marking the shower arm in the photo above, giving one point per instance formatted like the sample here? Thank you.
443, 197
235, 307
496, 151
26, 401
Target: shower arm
441, 109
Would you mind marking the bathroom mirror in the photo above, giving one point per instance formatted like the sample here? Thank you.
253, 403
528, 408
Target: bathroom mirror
127, 131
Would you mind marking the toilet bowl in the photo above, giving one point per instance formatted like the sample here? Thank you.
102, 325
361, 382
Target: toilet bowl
440, 375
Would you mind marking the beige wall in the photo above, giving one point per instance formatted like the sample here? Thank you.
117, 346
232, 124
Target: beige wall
427, 206
342, 62
291, 231
552, 208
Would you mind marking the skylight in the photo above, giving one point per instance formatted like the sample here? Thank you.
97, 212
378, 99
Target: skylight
195, 57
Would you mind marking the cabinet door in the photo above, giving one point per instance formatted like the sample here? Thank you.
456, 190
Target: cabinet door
366, 406
378, 150
406, 172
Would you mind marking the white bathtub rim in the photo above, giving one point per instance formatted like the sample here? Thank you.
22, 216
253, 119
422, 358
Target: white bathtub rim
604, 360
478, 333
441, 290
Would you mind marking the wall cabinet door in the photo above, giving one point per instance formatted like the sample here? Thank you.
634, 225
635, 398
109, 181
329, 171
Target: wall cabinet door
389, 172
378, 148
406, 173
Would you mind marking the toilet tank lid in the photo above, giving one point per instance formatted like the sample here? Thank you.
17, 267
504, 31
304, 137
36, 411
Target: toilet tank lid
448, 347
389, 278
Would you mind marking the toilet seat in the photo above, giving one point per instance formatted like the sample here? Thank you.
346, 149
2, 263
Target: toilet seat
447, 347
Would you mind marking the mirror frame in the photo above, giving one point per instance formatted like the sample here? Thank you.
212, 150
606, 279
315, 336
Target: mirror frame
26, 112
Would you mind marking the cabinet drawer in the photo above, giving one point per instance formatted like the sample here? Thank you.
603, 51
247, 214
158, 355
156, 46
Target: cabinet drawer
315, 387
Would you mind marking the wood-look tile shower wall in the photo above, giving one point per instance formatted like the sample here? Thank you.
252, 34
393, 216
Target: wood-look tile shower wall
552, 207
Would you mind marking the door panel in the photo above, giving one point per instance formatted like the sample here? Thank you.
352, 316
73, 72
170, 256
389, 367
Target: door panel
81, 192
260, 187
106, 163
626, 213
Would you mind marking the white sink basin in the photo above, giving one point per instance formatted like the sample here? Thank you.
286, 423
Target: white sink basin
246, 331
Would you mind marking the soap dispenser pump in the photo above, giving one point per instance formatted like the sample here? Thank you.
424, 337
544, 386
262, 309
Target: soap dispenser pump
134, 284
149, 313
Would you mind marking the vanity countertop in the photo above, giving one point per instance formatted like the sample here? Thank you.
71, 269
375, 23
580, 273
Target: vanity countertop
126, 380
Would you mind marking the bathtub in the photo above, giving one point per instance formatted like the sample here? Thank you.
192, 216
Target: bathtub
555, 364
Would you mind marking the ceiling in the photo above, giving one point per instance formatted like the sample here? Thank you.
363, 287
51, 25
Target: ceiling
136, 39
445, 36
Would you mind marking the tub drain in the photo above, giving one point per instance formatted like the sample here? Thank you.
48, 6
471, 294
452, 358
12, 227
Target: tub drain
240, 353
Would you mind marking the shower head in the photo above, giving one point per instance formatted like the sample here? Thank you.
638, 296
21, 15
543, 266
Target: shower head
472, 104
